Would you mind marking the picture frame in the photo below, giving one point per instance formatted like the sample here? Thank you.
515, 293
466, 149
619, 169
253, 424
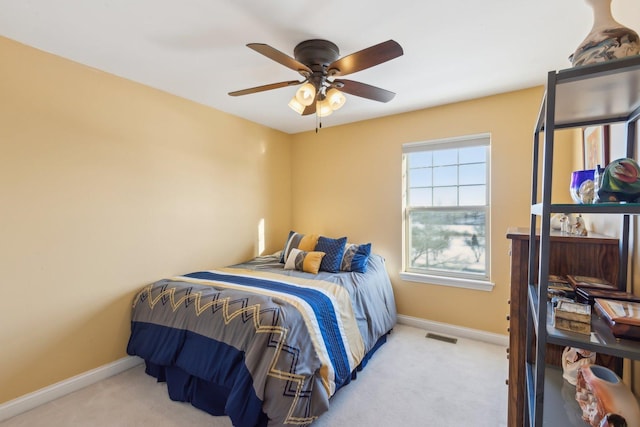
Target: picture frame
595, 141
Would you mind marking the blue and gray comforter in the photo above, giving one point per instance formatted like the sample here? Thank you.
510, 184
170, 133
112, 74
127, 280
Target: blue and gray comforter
263, 345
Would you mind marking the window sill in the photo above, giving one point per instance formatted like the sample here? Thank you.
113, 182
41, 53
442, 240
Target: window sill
456, 282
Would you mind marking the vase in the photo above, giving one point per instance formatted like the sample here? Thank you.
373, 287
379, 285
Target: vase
607, 40
581, 187
601, 394
620, 182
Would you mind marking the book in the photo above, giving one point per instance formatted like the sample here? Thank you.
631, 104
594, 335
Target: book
590, 282
557, 282
559, 286
623, 317
588, 295
557, 278
573, 311
572, 326
572, 316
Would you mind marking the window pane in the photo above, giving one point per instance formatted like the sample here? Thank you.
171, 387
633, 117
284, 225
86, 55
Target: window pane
448, 241
445, 196
474, 173
473, 195
445, 157
445, 175
420, 177
420, 197
473, 154
421, 159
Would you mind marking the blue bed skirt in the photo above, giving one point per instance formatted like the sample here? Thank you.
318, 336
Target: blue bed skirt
225, 389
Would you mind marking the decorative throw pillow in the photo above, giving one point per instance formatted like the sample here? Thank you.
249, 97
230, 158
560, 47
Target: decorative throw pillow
309, 262
356, 257
333, 249
300, 241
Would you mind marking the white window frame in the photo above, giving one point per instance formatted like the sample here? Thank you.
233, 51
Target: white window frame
446, 278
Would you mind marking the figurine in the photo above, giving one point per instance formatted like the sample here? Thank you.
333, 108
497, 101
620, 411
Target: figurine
579, 227
564, 224
572, 359
561, 222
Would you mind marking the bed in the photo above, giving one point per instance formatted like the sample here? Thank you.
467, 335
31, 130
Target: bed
262, 342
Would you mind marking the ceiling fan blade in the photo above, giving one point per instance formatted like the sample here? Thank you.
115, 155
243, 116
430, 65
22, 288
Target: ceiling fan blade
365, 91
366, 58
310, 109
265, 87
279, 57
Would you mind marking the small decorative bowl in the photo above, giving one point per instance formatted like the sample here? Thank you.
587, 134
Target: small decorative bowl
581, 187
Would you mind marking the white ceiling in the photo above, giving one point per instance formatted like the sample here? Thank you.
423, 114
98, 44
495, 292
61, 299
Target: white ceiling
453, 50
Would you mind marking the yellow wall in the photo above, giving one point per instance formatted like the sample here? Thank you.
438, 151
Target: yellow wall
106, 185
347, 181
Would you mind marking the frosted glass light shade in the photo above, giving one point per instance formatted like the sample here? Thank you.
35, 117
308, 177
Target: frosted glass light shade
296, 106
323, 108
306, 94
336, 99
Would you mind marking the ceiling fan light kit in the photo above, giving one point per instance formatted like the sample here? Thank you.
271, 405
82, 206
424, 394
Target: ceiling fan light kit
327, 103
336, 99
296, 106
306, 94
319, 63
323, 109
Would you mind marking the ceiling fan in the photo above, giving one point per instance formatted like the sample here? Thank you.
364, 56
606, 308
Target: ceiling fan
319, 63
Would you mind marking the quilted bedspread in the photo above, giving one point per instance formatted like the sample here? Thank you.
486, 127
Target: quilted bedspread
256, 345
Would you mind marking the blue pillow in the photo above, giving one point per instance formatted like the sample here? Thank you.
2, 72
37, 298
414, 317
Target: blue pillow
333, 249
356, 257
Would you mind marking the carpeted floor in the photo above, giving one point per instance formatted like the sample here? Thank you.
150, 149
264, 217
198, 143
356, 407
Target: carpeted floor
410, 381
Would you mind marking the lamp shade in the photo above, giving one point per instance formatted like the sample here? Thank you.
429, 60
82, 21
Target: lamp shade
336, 99
306, 94
323, 108
296, 106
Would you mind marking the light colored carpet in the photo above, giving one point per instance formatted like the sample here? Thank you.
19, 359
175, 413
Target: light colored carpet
410, 381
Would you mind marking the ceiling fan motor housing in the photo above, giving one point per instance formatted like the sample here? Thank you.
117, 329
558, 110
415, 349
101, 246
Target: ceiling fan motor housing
316, 52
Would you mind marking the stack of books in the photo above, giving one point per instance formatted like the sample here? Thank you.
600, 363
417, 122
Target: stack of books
558, 286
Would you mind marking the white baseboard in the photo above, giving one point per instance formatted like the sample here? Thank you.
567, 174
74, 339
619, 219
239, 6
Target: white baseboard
452, 330
31, 400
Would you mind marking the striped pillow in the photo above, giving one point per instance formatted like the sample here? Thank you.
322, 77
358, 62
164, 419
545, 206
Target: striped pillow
355, 258
309, 262
300, 241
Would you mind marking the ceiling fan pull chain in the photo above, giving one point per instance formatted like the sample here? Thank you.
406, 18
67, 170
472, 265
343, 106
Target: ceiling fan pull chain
318, 120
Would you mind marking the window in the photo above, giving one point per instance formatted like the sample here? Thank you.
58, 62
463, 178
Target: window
446, 212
